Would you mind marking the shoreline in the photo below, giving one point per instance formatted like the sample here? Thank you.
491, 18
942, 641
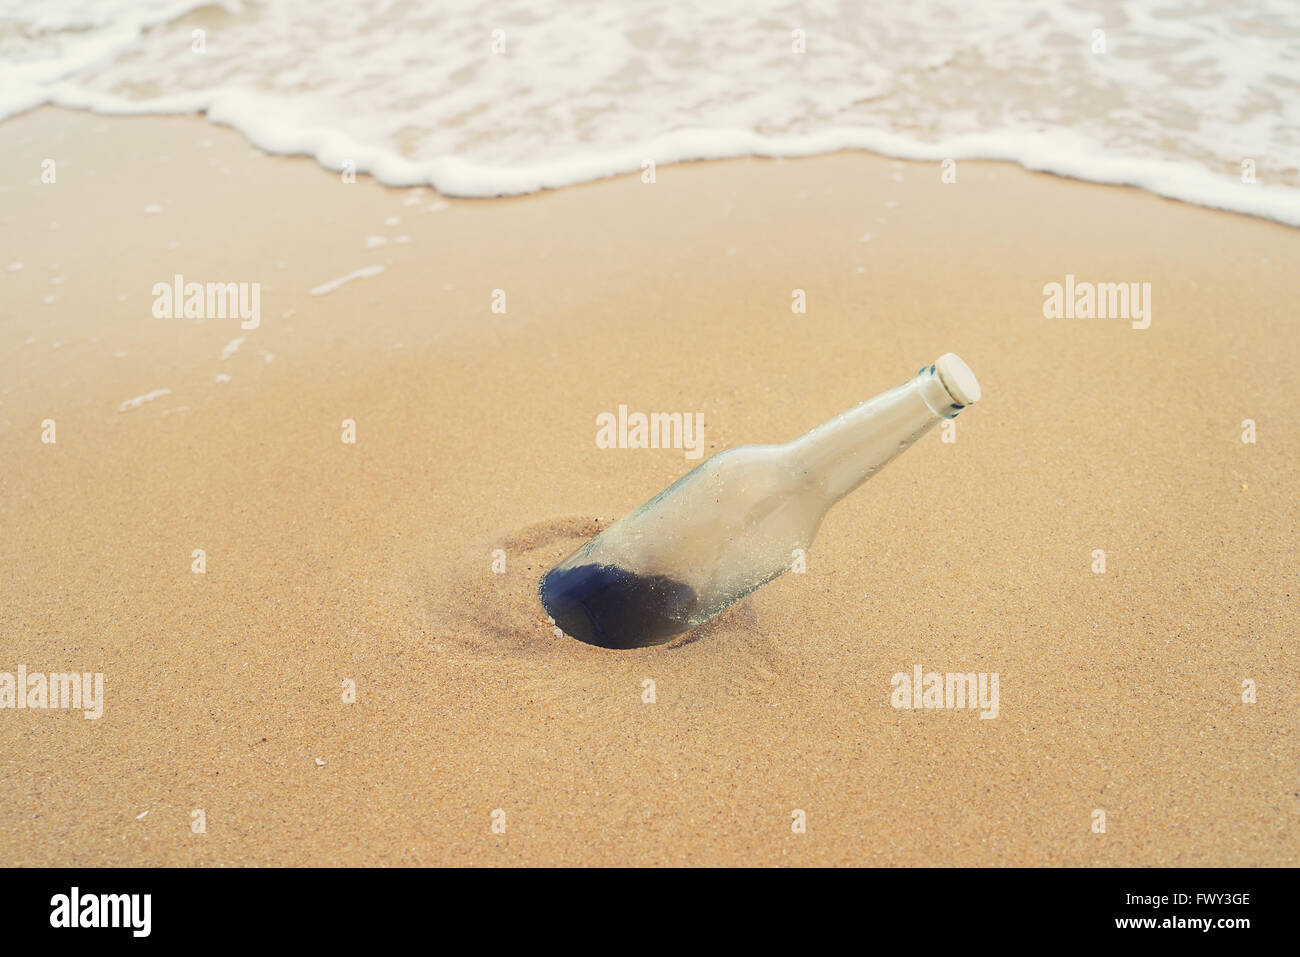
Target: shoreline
456, 178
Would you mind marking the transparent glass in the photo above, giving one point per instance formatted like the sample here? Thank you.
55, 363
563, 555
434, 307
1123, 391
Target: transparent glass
734, 523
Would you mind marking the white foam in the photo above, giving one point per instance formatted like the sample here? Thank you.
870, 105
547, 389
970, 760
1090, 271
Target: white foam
140, 400
363, 273
1181, 95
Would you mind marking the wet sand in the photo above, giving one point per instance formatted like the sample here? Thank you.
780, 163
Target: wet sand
475, 432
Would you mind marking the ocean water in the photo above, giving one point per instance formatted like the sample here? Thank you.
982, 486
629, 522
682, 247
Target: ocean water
1180, 97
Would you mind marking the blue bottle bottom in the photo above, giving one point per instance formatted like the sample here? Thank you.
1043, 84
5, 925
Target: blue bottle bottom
611, 607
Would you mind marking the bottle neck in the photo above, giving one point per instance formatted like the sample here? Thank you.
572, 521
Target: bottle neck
841, 454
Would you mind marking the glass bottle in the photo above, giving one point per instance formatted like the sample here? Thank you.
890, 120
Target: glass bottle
735, 522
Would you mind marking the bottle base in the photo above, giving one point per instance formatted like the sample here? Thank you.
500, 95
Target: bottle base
611, 607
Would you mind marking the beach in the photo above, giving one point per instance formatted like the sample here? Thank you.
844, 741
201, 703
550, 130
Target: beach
473, 366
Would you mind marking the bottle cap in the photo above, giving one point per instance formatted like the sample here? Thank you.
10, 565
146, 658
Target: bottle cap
957, 379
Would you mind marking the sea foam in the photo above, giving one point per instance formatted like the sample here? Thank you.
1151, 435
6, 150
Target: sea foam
1177, 97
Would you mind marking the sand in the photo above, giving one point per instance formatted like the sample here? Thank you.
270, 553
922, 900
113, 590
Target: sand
372, 562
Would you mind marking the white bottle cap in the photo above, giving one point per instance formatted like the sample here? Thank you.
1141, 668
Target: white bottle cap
957, 379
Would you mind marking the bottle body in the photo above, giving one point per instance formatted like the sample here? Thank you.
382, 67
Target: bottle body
732, 524
720, 531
